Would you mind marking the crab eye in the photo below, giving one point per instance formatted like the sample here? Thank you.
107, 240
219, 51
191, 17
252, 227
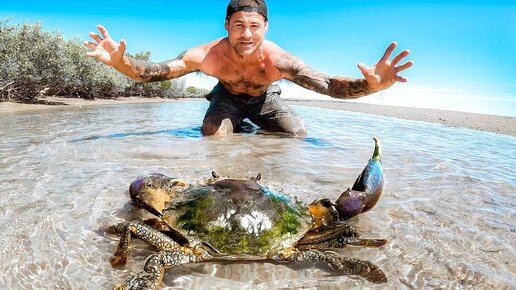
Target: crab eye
258, 177
136, 186
215, 174
326, 202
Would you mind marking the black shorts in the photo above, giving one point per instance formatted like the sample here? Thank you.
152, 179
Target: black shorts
268, 111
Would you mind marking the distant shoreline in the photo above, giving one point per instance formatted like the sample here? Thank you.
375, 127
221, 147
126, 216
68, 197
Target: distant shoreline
488, 123
480, 122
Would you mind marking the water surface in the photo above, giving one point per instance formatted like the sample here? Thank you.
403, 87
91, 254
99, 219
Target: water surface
448, 208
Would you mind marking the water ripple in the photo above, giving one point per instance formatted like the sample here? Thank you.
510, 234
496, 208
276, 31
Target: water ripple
447, 210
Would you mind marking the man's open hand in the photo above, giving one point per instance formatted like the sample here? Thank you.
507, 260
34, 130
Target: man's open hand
385, 73
104, 48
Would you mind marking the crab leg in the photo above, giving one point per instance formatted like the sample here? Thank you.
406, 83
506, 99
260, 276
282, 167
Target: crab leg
344, 265
156, 264
341, 242
336, 235
158, 224
138, 229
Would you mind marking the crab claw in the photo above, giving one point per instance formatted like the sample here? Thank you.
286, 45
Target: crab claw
367, 189
153, 192
323, 213
350, 203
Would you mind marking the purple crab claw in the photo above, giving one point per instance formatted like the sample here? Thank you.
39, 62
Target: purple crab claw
367, 189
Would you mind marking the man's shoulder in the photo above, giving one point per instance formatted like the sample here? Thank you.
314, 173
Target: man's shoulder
271, 46
215, 44
272, 50
199, 53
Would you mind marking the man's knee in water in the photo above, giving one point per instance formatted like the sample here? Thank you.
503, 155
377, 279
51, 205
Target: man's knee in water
291, 124
299, 130
221, 127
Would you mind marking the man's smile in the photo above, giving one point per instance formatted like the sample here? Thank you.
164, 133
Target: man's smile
246, 43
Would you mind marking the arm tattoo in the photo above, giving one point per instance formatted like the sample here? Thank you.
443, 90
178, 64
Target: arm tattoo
348, 88
181, 55
154, 72
303, 75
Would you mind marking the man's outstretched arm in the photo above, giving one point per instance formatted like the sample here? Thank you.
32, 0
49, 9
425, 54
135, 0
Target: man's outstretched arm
106, 50
376, 78
295, 70
147, 71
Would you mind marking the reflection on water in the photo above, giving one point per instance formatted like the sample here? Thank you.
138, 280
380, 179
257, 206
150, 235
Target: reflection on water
447, 210
194, 132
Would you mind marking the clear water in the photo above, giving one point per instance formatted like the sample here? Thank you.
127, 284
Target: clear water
448, 209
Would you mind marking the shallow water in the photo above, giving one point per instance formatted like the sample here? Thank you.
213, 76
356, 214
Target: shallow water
448, 209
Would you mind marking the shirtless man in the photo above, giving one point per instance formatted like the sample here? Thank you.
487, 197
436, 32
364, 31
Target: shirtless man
246, 66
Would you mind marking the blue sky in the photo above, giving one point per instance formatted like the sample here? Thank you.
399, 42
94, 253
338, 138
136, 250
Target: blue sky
464, 51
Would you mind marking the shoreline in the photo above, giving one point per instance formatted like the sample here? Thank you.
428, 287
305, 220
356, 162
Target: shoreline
480, 122
12, 107
488, 123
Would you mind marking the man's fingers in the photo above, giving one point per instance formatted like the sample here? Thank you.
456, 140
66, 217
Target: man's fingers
400, 56
122, 46
404, 66
90, 45
401, 79
103, 30
363, 68
388, 51
92, 54
95, 37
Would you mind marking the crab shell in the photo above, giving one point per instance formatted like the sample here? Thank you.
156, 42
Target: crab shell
232, 216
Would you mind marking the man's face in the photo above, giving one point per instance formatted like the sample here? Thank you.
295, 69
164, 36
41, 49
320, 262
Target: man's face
246, 31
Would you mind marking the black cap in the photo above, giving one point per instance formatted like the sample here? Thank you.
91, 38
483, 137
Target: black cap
243, 5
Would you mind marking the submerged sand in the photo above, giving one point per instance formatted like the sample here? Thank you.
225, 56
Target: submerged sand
481, 122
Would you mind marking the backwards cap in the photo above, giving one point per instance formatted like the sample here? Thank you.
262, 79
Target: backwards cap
243, 5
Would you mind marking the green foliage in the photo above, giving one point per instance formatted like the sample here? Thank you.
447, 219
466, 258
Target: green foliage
143, 55
35, 63
193, 92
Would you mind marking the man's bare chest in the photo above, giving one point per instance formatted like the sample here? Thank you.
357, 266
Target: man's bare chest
242, 79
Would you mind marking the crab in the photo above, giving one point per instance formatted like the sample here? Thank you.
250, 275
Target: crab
226, 219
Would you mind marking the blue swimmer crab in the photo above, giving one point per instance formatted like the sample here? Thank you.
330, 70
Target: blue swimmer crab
223, 219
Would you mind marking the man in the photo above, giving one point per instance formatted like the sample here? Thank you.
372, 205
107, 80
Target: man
246, 66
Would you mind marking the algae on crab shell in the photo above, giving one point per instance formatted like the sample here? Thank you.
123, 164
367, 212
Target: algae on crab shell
239, 228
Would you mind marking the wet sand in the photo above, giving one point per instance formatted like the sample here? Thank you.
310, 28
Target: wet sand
489, 123
10, 107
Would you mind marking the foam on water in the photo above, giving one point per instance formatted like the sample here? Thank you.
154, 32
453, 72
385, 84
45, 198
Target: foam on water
447, 209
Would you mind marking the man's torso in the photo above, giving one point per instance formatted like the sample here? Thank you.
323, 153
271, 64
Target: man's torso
241, 77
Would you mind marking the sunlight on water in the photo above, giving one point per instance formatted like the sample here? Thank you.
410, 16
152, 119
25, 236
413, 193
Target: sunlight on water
447, 209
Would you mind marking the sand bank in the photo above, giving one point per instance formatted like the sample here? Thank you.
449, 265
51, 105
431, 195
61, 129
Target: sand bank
489, 123
10, 107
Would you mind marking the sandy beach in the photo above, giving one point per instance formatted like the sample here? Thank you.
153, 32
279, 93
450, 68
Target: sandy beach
489, 123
